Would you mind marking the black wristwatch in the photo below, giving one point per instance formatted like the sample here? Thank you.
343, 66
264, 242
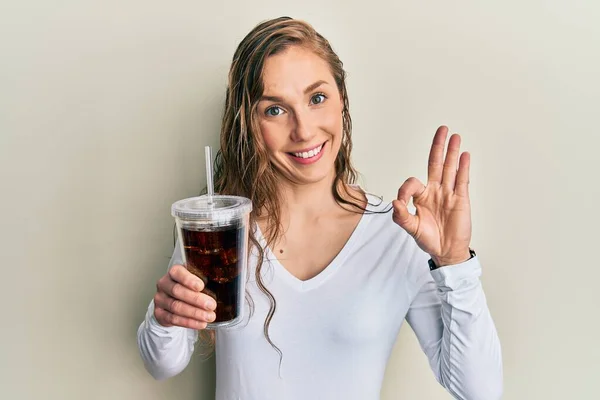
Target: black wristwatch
432, 265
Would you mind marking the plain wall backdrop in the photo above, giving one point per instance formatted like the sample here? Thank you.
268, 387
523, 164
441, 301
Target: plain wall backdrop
105, 108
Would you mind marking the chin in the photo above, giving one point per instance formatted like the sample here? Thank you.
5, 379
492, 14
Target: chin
315, 178
312, 175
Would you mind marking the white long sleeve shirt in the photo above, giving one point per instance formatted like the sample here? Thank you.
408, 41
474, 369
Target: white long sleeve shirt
336, 330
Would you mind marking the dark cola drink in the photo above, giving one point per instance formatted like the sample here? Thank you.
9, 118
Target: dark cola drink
214, 256
213, 235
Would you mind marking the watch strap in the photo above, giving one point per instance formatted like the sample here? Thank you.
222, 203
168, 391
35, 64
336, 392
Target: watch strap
432, 265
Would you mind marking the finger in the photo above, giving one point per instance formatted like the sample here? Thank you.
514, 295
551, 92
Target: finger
178, 307
462, 177
404, 218
165, 318
436, 155
160, 316
412, 187
180, 274
451, 162
178, 291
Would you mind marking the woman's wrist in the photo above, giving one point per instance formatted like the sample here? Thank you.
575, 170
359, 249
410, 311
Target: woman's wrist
436, 262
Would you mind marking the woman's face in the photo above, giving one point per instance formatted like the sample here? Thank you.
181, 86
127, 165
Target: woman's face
300, 115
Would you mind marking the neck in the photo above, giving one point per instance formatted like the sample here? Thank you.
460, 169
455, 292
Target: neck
309, 200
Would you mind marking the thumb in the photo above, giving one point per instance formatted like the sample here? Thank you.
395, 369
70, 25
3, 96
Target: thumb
404, 218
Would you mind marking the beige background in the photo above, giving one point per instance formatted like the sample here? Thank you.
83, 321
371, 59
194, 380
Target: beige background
104, 111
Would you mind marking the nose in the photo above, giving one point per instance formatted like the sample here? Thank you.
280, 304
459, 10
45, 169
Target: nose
303, 129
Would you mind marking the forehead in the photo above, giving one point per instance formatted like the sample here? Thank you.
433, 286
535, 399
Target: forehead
292, 70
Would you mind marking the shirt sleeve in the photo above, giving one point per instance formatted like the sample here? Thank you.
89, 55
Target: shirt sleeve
450, 316
166, 351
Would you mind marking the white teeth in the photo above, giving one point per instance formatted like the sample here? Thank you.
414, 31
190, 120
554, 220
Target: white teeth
310, 153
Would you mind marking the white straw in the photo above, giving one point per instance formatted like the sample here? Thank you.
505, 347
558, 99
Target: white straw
209, 173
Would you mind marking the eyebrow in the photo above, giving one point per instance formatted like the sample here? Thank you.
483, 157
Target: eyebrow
308, 89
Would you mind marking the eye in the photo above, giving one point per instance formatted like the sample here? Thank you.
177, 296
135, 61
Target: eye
274, 111
318, 98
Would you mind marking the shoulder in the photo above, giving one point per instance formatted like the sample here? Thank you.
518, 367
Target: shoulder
379, 227
379, 212
399, 247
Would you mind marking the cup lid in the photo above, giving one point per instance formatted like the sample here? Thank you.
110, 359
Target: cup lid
222, 208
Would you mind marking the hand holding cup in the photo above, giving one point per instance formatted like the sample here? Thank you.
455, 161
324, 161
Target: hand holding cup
179, 301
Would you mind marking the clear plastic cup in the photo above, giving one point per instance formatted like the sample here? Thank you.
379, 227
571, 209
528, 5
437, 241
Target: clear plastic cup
213, 235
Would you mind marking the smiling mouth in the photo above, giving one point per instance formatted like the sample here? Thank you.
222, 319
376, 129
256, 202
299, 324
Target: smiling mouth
309, 154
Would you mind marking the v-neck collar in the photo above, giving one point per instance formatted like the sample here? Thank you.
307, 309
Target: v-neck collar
309, 284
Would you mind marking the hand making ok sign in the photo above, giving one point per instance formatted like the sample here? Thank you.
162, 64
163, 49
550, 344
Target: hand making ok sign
442, 223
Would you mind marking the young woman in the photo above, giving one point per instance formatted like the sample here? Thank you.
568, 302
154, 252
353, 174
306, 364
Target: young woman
332, 274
